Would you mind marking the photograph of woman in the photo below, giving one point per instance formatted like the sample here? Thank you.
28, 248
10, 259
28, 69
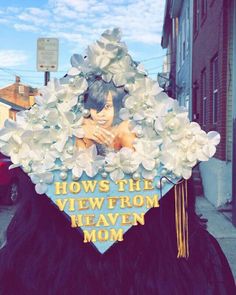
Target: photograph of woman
102, 125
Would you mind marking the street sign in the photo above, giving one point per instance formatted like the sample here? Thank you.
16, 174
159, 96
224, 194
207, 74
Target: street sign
47, 54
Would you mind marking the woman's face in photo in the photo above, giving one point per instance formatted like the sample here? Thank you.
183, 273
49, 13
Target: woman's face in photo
105, 117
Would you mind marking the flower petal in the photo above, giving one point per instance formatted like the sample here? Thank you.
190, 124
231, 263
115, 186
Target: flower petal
214, 137
41, 188
117, 174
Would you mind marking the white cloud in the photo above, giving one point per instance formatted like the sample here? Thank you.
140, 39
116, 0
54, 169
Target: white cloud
12, 58
84, 20
25, 27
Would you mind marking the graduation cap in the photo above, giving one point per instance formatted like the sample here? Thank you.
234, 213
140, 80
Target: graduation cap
105, 143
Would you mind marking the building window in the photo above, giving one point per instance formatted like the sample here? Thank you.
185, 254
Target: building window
204, 97
12, 114
183, 43
187, 29
215, 88
196, 15
195, 99
203, 9
21, 89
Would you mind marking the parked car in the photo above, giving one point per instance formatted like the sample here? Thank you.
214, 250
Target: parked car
9, 179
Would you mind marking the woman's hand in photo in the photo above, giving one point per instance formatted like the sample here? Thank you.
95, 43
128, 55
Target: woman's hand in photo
96, 133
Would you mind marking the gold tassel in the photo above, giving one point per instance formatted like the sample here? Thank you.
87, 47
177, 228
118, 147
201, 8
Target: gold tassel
181, 219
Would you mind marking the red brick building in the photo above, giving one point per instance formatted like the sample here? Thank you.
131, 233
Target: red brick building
210, 82
19, 93
15, 97
210, 56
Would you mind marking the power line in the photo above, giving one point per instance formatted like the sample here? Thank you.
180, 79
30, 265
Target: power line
30, 71
155, 57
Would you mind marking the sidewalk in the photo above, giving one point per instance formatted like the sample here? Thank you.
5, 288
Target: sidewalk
221, 228
6, 214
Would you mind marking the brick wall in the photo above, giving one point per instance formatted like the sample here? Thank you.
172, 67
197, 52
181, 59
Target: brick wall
210, 40
18, 94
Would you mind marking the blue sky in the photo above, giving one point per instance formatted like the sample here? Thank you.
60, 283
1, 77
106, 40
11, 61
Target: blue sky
76, 23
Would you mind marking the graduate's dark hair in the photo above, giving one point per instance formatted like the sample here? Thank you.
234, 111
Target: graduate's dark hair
96, 95
44, 255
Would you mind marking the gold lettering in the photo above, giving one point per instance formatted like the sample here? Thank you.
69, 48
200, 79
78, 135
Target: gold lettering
152, 201
125, 202
75, 187
116, 235
102, 221
89, 236
61, 203
96, 203
148, 184
121, 184
113, 217
125, 219
103, 235
82, 204
138, 218
104, 186
134, 185
89, 186
89, 220
138, 201
60, 188
112, 202
76, 220
71, 204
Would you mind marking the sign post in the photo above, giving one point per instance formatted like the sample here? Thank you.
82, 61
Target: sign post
47, 56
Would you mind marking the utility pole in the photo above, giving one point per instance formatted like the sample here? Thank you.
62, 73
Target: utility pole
46, 78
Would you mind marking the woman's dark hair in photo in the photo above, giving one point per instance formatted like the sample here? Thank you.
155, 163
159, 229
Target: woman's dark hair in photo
96, 95
45, 255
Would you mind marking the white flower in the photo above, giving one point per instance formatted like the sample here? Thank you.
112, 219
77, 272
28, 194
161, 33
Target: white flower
171, 126
19, 152
200, 145
50, 94
147, 152
111, 36
124, 161
125, 114
79, 64
100, 54
11, 129
70, 126
38, 137
144, 87
45, 160
31, 119
122, 71
141, 96
160, 107
42, 180
86, 160
72, 91
174, 159
147, 174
